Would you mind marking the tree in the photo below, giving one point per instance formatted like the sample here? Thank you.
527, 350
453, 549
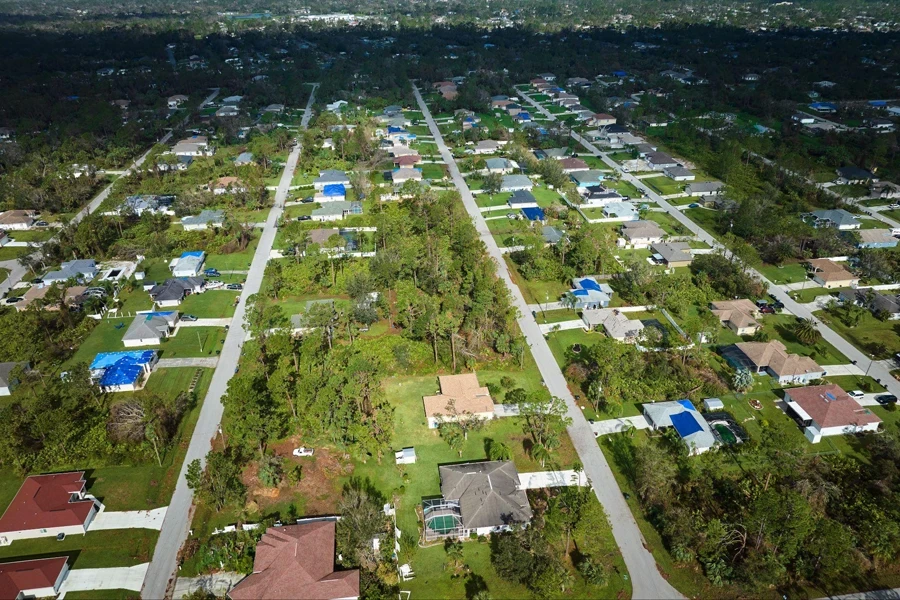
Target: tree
540, 453
806, 331
454, 550
742, 380
499, 451
491, 183
594, 572
219, 484
362, 518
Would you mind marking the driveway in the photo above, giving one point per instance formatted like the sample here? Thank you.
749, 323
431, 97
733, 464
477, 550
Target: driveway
117, 578
205, 323
207, 362
178, 518
218, 584
129, 519
646, 579
609, 426
548, 479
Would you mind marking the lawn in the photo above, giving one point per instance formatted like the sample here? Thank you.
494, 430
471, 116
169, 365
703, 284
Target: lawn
880, 339
624, 187
534, 291
621, 156
663, 185
193, 341
545, 197
787, 273
850, 191
486, 200
856, 382
667, 223
13, 252
891, 214
872, 224
212, 304
434, 171
93, 550
35, 235
705, 218
104, 595
779, 327
811, 293
236, 261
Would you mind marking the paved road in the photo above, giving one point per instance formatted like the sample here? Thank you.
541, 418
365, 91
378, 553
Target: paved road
178, 518
646, 579
876, 369
17, 271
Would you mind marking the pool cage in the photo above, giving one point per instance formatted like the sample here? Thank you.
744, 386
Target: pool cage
443, 519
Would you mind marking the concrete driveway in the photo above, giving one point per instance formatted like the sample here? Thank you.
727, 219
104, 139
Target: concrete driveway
207, 362
549, 479
205, 323
218, 584
116, 578
609, 426
129, 519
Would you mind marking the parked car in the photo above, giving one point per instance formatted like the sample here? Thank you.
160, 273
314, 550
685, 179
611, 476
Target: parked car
856, 394
12, 300
304, 218
767, 310
188, 318
211, 273
512, 216
41, 224
234, 286
307, 200
893, 206
886, 399
693, 205
303, 451
213, 284
37, 281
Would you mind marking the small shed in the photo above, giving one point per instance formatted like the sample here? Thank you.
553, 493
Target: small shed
713, 404
407, 456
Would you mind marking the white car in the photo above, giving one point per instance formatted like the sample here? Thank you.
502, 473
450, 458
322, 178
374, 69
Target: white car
303, 451
856, 394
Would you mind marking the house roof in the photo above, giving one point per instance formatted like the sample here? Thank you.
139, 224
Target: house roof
6, 369
487, 145
660, 158
468, 396
679, 172
854, 173
573, 164
406, 173
497, 163
830, 406
121, 368
338, 208
297, 561
738, 312
591, 176
520, 181
704, 187
244, 158
332, 176
838, 216
45, 501
683, 416
774, 355
533, 213
226, 182
828, 270
552, 235
673, 251
85, 267
17, 578
634, 230
407, 160
620, 209
174, 288
12, 217
489, 493
205, 217
151, 325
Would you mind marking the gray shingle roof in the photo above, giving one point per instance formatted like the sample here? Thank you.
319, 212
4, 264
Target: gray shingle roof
488, 493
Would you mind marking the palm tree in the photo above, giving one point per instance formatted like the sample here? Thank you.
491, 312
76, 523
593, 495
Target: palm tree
539, 452
805, 331
499, 451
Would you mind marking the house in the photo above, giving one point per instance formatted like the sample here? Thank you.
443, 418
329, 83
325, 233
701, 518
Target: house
882, 304
578, 82
329, 177
157, 204
398, 151
513, 109
704, 188
831, 275
556, 153
641, 234
197, 145
679, 173
740, 316
589, 294
673, 254
620, 211
597, 195
336, 107
35, 293
502, 166
823, 107
7, 381
274, 108
228, 111
522, 199
16, 220
875, 238
772, 358
854, 176
487, 147
460, 395
189, 264
38, 578
399, 135
297, 561
335, 192
404, 174
4, 238
601, 120
47, 505
477, 498
552, 235
150, 329
589, 178
227, 185
205, 220
176, 100
514, 183
336, 211
125, 371
690, 425
572, 165
804, 119
657, 161
534, 213
838, 218
321, 236
243, 159
172, 291
82, 270
407, 160
406, 456
232, 100
825, 410
615, 323
884, 189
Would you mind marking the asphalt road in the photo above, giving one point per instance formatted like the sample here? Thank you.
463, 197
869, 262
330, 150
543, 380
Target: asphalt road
17, 271
876, 369
646, 579
175, 528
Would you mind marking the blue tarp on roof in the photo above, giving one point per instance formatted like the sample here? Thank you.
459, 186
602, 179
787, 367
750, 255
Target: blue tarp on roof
687, 404
821, 105
125, 375
105, 360
396, 130
878, 103
192, 253
580, 293
334, 189
685, 424
589, 284
533, 214
619, 73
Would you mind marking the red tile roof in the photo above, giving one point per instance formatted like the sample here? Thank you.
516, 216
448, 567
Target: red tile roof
27, 575
407, 160
45, 501
297, 562
831, 406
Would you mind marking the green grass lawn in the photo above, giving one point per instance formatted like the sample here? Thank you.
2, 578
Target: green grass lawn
35, 235
545, 197
779, 327
850, 191
486, 200
621, 156
856, 382
880, 339
94, 550
787, 273
534, 291
811, 293
13, 252
624, 187
213, 304
104, 595
667, 223
705, 218
236, 261
434, 171
663, 185
872, 224
891, 214
193, 341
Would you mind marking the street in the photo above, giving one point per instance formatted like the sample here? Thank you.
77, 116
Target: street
177, 523
646, 579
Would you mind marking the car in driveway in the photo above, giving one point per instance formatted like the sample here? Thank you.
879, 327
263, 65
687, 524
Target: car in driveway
307, 200
188, 318
12, 300
886, 399
42, 224
234, 286
856, 394
304, 218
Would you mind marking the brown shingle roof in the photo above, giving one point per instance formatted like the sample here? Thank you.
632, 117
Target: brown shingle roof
774, 355
464, 389
831, 406
45, 501
29, 575
827, 270
739, 312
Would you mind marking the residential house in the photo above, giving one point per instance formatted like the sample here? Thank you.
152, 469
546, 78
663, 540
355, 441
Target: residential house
176, 100
772, 358
601, 120
587, 293
329, 177
578, 82
460, 395
297, 561
534, 214
679, 173
657, 161
552, 235
514, 183
407, 160
232, 100
274, 108
571, 165
690, 425
740, 316
17, 220
826, 410
7, 381
597, 195
335, 192
837, 218
487, 147
228, 111
322, 236
513, 109
150, 329
227, 185
556, 153
477, 498
643, 149
82, 270
172, 291
243, 159
47, 505
399, 135
884, 189
336, 211
125, 371
589, 178
145, 203
673, 254
206, 219
38, 578
522, 199
641, 234
398, 151
404, 174
854, 176
502, 166
615, 323
823, 107
704, 188
189, 264
620, 211
193, 146
336, 107
875, 238
831, 275
73, 297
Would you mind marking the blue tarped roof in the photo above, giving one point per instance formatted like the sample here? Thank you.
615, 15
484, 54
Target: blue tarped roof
533, 214
589, 284
685, 424
334, 189
192, 253
687, 404
126, 357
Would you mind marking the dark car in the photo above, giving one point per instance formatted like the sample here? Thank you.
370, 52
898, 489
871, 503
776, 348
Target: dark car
307, 200
886, 399
767, 310
304, 218
42, 224
234, 286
